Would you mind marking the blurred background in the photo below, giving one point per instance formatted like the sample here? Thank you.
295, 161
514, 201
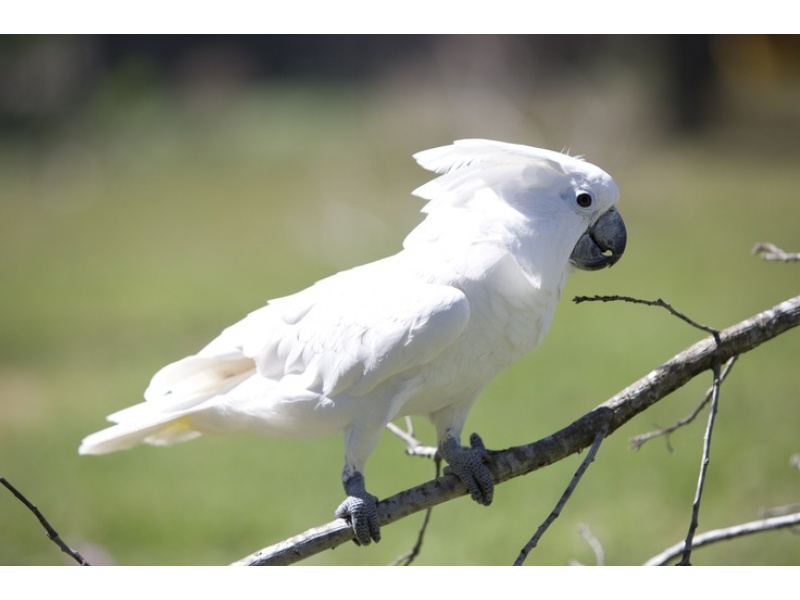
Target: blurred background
154, 190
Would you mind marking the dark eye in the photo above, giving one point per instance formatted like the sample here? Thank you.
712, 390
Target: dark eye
584, 200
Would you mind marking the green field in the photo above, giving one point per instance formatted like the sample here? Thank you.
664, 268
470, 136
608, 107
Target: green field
130, 238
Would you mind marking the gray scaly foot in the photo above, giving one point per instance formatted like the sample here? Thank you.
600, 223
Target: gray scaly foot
361, 509
468, 464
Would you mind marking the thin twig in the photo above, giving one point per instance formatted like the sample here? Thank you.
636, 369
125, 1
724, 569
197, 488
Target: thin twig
406, 435
638, 441
778, 511
51, 533
594, 544
687, 552
657, 302
597, 548
727, 533
407, 558
771, 252
414, 447
599, 437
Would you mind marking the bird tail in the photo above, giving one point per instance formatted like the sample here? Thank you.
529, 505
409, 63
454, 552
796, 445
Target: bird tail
176, 395
158, 431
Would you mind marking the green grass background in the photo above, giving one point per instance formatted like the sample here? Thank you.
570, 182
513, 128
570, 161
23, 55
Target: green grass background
131, 236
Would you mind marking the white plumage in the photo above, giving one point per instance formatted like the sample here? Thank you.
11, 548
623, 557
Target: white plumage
420, 332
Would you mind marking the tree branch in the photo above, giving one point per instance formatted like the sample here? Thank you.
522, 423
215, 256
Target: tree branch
695, 521
772, 252
638, 441
521, 460
658, 302
408, 558
556, 512
51, 532
718, 535
594, 544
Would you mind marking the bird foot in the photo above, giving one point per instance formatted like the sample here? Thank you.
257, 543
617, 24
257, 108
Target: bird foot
360, 508
469, 465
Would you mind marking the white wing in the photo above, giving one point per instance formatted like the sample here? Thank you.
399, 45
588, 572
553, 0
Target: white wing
350, 340
344, 336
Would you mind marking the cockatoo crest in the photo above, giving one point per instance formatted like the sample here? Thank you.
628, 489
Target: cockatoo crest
470, 164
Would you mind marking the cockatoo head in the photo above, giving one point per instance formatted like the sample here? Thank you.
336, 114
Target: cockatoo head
549, 209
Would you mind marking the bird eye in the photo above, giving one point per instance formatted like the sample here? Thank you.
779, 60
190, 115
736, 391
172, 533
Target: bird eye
584, 200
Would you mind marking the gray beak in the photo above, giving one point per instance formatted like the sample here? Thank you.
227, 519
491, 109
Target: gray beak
603, 243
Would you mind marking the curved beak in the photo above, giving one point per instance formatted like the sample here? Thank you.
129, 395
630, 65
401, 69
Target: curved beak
603, 243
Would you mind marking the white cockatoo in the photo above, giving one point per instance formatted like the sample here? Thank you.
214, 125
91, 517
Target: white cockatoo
419, 333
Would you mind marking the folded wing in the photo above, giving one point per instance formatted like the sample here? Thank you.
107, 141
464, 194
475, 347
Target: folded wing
340, 339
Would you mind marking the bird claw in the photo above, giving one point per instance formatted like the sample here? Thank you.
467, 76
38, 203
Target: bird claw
468, 464
360, 508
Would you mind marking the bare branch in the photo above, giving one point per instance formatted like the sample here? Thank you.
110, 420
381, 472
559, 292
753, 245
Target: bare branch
51, 533
638, 441
772, 252
601, 435
727, 533
409, 557
521, 460
688, 544
657, 302
414, 447
778, 511
594, 544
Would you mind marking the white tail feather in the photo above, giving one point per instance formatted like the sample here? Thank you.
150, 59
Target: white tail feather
161, 430
176, 392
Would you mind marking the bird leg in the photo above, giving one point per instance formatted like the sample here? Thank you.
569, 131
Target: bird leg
361, 509
468, 464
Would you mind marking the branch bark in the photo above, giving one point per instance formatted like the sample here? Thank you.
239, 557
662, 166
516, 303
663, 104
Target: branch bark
521, 460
